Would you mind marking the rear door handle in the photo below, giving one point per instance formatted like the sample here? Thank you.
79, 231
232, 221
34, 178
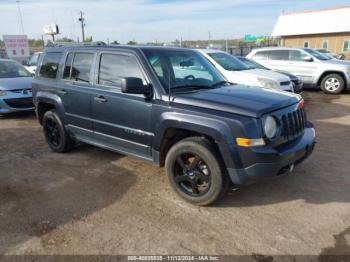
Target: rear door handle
63, 92
100, 99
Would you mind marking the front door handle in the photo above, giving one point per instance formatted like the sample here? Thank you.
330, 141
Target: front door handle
63, 92
100, 99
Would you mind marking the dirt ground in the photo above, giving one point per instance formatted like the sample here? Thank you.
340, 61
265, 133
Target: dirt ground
92, 201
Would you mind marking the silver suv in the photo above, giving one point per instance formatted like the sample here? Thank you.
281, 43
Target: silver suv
315, 69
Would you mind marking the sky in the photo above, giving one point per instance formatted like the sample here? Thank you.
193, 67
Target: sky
152, 20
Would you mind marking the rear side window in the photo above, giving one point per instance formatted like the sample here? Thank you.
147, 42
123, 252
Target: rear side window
78, 67
49, 66
261, 55
68, 66
113, 68
279, 55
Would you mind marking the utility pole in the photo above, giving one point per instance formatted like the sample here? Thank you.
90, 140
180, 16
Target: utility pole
82, 20
209, 37
20, 16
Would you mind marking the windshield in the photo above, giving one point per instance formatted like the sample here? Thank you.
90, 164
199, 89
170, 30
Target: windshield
228, 62
316, 54
34, 59
183, 69
11, 69
251, 64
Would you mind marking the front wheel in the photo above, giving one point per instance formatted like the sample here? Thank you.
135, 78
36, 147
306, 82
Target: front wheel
194, 171
332, 84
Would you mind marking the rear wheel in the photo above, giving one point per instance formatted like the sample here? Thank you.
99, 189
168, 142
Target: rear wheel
56, 135
194, 171
332, 84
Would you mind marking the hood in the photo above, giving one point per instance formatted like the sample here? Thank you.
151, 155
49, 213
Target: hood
238, 99
15, 83
336, 62
289, 75
262, 73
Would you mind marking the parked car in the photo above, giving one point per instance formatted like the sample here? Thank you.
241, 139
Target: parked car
331, 55
33, 61
296, 81
239, 73
315, 69
15, 87
170, 106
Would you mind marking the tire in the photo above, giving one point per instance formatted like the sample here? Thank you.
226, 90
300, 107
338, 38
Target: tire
332, 84
208, 175
55, 133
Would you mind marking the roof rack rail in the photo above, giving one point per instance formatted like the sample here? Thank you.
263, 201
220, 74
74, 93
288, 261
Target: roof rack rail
61, 44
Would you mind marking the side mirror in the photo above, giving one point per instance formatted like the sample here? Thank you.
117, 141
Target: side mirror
308, 59
134, 85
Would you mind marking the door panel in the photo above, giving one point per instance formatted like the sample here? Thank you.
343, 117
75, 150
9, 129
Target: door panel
121, 121
75, 92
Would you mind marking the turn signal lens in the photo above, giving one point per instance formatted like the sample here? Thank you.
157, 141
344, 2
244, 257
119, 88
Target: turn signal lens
302, 104
245, 142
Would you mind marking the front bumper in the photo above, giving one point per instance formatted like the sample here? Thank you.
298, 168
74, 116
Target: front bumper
274, 162
15, 102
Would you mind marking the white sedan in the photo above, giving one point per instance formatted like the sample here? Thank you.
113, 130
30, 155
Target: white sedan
237, 72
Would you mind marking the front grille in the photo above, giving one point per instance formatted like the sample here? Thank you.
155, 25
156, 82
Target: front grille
296, 82
20, 102
293, 124
285, 83
21, 91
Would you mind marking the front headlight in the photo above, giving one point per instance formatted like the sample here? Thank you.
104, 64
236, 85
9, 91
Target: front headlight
267, 83
270, 127
2, 93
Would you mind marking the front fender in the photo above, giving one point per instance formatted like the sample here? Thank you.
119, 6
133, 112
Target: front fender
215, 128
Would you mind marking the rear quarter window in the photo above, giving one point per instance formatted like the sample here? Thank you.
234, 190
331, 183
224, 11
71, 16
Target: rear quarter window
50, 64
261, 55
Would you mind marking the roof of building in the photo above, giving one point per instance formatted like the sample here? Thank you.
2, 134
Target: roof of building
331, 20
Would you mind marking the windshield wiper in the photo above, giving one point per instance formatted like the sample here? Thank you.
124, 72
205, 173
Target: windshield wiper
181, 87
220, 83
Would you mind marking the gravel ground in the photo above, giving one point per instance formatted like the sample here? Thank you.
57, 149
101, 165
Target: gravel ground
92, 201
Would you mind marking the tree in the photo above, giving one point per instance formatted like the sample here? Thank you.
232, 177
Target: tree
132, 42
115, 42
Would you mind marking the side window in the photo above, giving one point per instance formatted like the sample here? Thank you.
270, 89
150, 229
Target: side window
262, 55
81, 67
49, 65
296, 55
346, 45
68, 66
279, 55
113, 68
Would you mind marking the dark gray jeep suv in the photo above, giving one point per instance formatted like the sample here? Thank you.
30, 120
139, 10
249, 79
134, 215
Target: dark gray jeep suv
172, 107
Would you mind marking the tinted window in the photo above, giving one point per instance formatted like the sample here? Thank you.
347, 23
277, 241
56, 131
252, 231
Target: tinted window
182, 70
113, 68
296, 55
50, 65
68, 66
81, 67
261, 55
228, 62
279, 55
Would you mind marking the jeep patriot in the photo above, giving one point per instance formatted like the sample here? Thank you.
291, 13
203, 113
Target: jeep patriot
172, 107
